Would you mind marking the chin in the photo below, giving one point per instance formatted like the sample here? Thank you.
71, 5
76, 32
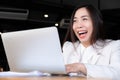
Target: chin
83, 40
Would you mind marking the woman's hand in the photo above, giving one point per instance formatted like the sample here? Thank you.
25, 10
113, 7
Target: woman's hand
76, 68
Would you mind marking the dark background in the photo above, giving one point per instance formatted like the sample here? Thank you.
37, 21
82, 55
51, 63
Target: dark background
57, 10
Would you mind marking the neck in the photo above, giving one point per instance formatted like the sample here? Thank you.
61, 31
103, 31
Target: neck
86, 44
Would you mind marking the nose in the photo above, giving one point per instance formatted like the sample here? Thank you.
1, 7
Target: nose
79, 24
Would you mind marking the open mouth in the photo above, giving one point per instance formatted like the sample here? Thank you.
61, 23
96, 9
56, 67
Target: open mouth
82, 33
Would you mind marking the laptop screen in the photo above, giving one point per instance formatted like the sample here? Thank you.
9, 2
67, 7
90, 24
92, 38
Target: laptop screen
35, 49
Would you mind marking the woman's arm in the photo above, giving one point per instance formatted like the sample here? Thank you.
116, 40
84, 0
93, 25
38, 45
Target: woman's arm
112, 70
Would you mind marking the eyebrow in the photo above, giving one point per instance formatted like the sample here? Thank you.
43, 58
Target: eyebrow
82, 16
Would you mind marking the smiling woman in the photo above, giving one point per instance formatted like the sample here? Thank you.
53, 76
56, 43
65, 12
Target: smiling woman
87, 52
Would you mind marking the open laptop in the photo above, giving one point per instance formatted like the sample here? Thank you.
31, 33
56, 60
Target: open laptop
34, 49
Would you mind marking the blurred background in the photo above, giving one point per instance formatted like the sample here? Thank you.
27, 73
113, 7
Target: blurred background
18, 15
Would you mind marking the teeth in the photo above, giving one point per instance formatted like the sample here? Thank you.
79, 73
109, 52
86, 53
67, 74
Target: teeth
82, 32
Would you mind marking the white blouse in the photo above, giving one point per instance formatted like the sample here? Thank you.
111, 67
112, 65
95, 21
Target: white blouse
103, 62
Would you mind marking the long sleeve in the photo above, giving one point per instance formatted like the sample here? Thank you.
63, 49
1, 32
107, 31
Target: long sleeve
106, 64
112, 70
69, 53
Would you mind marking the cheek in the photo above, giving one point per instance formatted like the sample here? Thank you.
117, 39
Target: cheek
90, 27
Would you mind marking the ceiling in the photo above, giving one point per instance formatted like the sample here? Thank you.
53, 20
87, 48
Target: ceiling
56, 9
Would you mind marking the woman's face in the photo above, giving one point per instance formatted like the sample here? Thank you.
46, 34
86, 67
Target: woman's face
82, 26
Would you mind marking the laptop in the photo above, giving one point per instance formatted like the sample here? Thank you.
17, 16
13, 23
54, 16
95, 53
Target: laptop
34, 49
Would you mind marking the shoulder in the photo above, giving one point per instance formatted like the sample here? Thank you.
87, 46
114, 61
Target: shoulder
112, 44
107, 44
116, 41
70, 45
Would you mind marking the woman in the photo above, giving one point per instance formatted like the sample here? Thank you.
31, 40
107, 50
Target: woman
85, 50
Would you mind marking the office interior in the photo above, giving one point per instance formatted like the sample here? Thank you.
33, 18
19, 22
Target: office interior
16, 15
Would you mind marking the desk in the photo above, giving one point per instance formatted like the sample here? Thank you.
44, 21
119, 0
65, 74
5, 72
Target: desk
51, 78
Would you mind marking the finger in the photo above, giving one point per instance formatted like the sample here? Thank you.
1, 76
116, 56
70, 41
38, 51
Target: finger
68, 69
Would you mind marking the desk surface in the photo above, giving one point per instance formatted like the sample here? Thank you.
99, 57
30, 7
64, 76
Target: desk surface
50, 78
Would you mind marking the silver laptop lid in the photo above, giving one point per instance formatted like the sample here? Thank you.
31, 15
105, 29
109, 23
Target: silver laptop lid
35, 49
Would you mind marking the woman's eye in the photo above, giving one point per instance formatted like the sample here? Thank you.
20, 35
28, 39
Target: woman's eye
84, 19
